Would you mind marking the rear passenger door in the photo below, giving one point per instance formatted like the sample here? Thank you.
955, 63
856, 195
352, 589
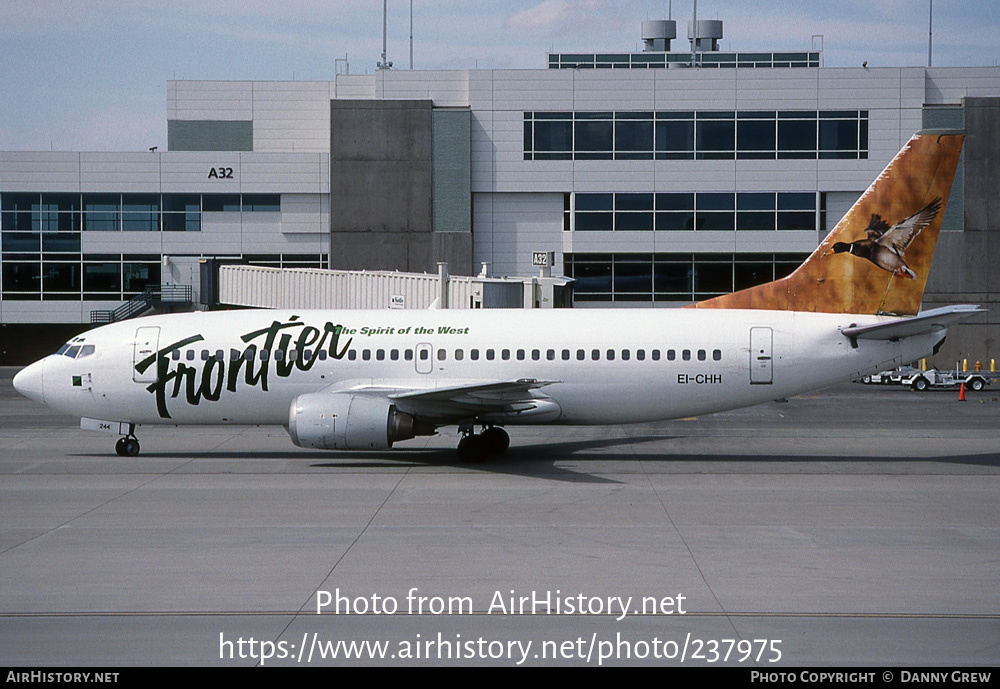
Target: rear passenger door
761, 370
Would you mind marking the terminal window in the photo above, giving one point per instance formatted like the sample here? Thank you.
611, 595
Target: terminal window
672, 277
701, 135
688, 211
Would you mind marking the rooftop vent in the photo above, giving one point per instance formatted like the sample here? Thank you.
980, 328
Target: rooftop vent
657, 34
706, 34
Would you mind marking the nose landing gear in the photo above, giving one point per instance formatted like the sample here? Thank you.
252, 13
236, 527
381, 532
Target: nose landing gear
127, 446
493, 441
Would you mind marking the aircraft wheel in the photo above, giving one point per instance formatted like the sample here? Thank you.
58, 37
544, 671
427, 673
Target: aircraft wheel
471, 449
496, 440
120, 447
131, 447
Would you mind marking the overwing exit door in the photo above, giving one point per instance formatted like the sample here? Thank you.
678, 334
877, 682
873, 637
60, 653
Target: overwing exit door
423, 358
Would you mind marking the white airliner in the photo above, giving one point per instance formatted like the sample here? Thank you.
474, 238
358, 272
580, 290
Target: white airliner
363, 380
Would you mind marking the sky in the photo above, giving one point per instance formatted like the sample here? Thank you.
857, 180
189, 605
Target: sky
90, 75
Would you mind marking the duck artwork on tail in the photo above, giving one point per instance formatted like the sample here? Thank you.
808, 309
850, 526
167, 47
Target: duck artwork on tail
833, 280
884, 246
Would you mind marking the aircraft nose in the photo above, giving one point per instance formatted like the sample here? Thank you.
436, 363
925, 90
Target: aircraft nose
30, 381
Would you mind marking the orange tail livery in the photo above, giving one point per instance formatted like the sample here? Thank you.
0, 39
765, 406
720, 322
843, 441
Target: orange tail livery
877, 258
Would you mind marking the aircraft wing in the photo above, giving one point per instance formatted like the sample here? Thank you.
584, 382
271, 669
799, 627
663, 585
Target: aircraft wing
924, 322
496, 399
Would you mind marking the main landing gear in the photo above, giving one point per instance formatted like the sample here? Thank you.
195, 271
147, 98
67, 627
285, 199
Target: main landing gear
493, 441
127, 446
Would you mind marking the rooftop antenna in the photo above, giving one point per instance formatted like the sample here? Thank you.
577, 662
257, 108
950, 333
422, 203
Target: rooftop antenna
384, 64
930, 34
694, 35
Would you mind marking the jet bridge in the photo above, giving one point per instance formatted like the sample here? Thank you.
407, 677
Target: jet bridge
314, 288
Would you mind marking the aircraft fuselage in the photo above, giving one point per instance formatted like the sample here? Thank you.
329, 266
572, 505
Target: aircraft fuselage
604, 366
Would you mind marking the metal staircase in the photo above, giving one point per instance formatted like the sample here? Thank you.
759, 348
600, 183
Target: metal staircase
153, 295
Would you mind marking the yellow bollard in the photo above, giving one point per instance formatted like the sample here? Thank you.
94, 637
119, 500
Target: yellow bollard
965, 365
923, 364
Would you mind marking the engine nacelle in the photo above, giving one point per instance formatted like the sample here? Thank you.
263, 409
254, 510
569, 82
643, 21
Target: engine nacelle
350, 422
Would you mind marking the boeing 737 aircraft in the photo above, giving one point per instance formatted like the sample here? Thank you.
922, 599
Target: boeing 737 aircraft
363, 380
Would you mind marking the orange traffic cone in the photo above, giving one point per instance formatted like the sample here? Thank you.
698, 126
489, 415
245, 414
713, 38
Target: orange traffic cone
961, 393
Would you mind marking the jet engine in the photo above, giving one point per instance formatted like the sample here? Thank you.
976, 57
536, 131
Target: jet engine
350, 422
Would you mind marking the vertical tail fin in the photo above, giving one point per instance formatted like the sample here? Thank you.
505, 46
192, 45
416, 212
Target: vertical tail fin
877, 258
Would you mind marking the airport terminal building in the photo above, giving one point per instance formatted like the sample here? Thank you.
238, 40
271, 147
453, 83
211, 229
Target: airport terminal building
657, 178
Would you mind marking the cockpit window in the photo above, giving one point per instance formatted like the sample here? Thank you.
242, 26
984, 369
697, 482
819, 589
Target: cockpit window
72, 348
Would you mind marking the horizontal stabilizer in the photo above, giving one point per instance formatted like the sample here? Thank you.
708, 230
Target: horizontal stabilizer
925, 322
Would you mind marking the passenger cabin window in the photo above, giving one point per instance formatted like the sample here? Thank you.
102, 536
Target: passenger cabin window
701, 355
550, 354
580, 355
611, 355
505, 354
490, 355
640, 354
686, 355
656, 354
442, 354
474, 354
536, 354
716, 355
394, 355
352, 354
565, 355
366, 354
671, 355
459, 355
